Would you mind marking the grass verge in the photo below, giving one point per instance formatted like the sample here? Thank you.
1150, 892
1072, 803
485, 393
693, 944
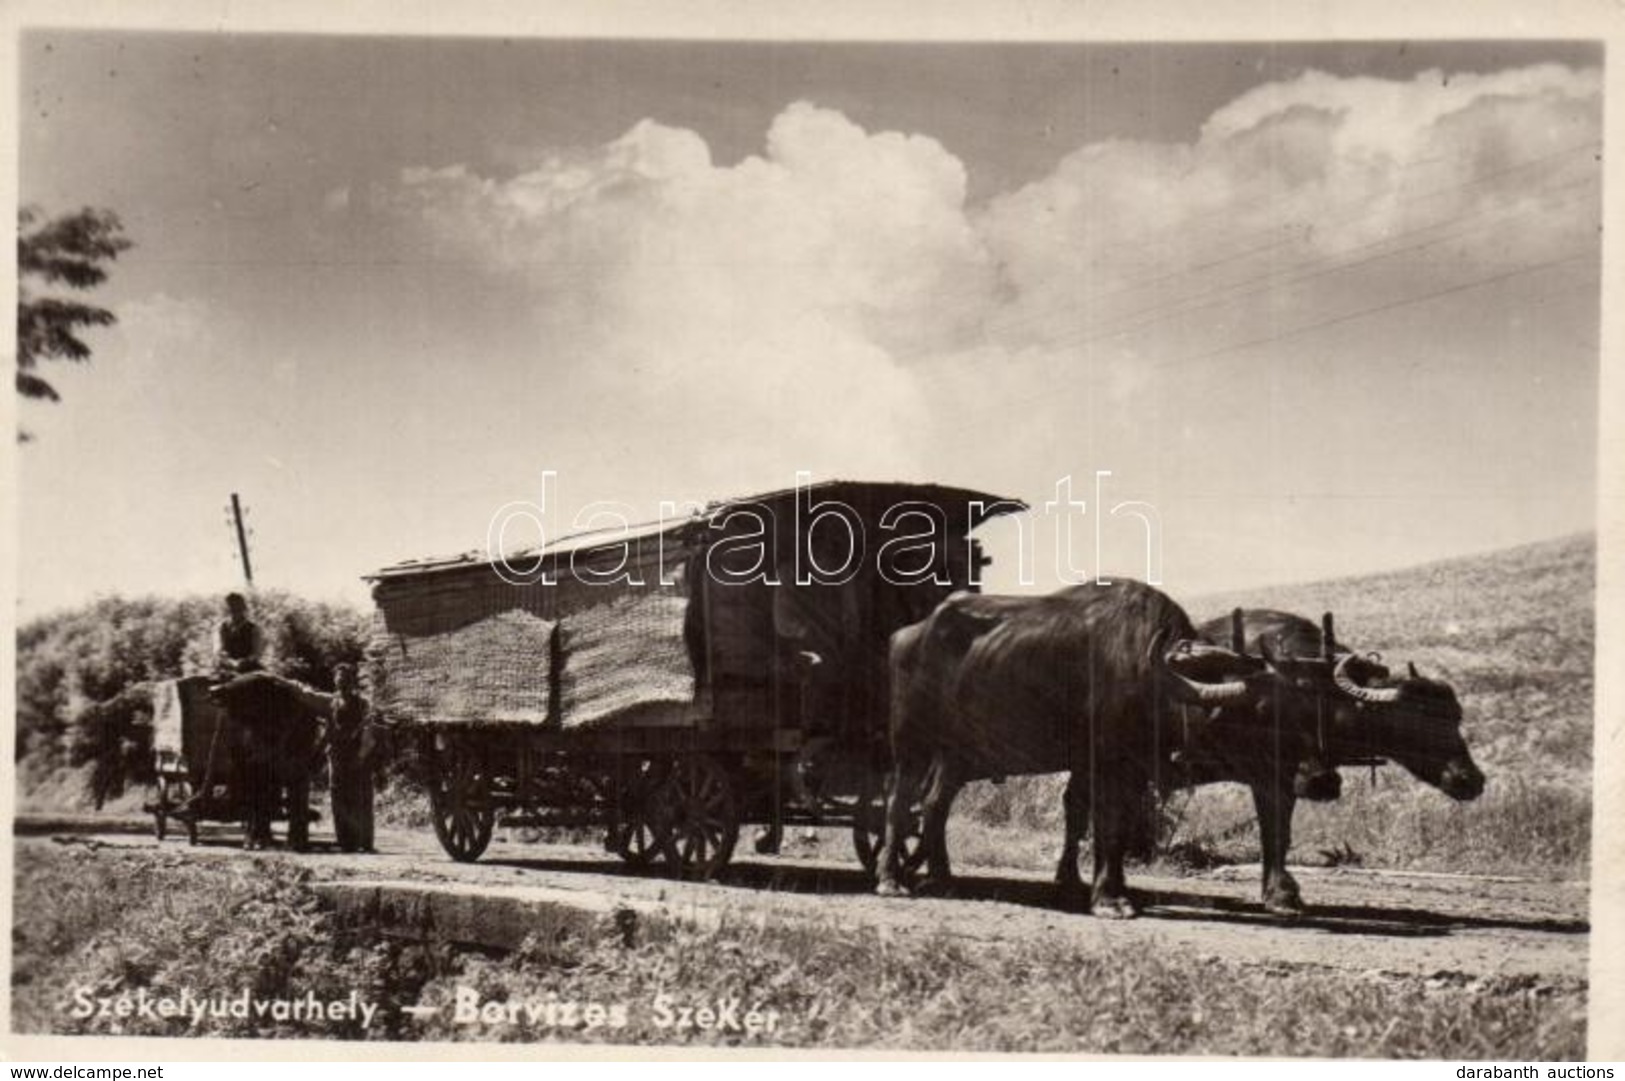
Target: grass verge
1532, 828
119, 922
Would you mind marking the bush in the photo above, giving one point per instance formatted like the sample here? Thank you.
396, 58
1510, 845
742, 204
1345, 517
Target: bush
81, 703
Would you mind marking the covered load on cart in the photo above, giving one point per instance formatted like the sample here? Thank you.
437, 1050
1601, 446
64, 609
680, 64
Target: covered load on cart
672, 681
194, 768
199, 758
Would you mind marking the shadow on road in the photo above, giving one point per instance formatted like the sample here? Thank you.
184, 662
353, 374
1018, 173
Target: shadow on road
1201, 903
1155, 904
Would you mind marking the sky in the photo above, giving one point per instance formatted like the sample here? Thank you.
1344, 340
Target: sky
1326, 308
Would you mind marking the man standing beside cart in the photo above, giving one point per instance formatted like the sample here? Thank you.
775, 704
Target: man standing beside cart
823, 648
349, 764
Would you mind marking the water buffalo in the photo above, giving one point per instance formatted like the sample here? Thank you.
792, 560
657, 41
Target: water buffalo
1412, 720
1080, 680
1327, 705
276, 725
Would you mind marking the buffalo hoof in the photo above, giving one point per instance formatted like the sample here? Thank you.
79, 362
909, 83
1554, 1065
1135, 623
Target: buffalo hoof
1113, 908
888, 888
1071, 897
1320, 787
1288, 906
934, 887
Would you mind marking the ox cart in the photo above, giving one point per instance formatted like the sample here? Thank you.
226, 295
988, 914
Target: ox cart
197, 768
674, 682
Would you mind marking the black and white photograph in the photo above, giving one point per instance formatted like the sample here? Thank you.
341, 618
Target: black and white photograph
699, 537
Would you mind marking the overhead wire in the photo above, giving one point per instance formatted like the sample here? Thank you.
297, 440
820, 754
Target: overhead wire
1333, 211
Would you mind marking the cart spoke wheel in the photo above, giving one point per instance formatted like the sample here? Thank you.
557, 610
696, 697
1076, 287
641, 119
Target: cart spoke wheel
460, 794
869, 829
171, 801
697, 814
639, 844
637, 837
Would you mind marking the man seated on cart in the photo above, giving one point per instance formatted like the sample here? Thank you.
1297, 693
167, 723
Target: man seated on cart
239, 642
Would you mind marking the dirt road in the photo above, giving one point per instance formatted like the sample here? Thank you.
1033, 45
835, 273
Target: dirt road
1450, 928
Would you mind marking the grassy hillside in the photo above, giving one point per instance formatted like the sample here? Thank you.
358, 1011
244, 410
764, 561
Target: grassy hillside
1512, 631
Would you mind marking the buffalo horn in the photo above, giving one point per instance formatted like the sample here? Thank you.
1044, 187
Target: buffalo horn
1412, 666
1328, 645
1238, 637
1228, 692
1345, 683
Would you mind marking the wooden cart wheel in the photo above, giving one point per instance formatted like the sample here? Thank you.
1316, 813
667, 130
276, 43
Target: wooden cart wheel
173, 793
869, 829
639, 836
460, 797
698, 817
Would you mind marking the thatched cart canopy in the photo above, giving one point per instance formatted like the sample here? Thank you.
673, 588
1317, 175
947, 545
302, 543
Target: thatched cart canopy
455, 643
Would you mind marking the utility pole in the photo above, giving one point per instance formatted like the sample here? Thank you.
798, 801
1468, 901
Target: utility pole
242, 539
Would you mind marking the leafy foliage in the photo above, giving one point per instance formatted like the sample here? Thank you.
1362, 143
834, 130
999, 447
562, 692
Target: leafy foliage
83, 705
70, 251
117, 925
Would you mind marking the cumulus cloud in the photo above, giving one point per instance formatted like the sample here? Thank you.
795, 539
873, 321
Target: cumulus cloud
1305, 177
758, 310
831, 302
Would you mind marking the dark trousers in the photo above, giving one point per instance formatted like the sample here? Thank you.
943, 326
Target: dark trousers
259, 801
352, 802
